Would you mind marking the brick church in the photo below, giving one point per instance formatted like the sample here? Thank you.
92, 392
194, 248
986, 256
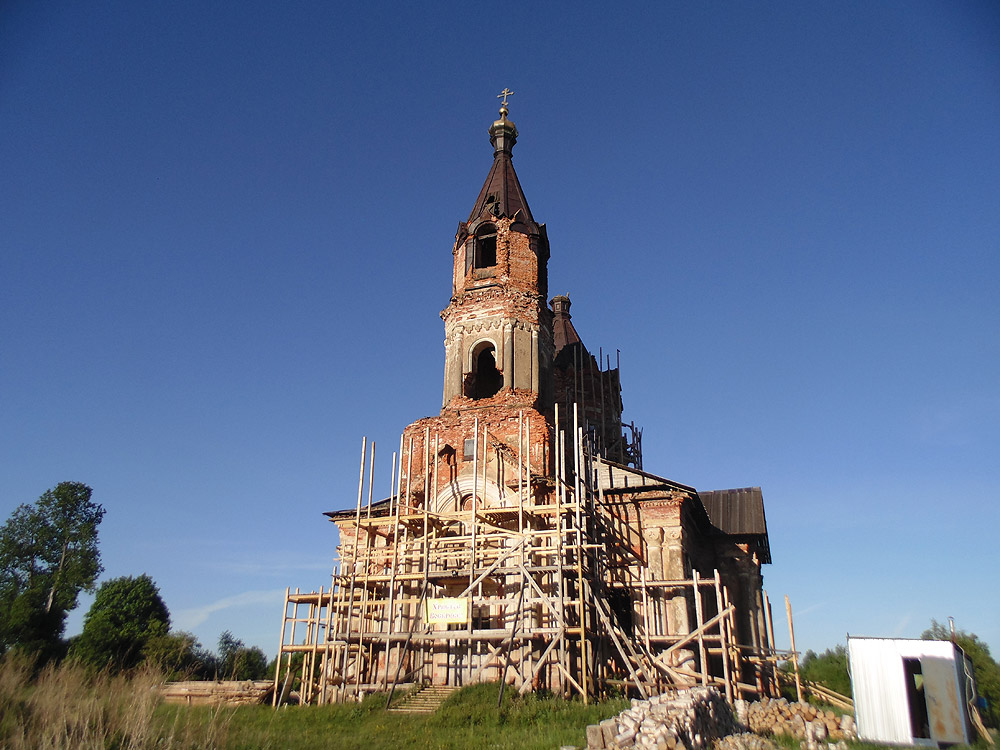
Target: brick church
524, 541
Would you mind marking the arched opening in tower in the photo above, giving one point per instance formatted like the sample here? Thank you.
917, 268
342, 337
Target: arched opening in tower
486, 246
486, 379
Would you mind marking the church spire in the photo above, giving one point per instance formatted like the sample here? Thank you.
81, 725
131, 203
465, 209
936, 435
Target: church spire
501, 194
498, 329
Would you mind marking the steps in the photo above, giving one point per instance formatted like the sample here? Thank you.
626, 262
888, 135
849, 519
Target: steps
427, 700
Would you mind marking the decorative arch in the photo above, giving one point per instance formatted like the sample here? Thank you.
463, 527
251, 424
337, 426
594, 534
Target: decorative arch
452, 497
483, 342
484, 378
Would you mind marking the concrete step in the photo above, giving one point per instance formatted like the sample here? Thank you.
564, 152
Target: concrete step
425, 701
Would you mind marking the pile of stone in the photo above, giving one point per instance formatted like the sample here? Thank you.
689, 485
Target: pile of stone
691, 719
747, 741
699, 718
799, 720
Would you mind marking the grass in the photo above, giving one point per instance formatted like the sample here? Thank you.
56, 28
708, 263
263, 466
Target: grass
468, 719
69, 707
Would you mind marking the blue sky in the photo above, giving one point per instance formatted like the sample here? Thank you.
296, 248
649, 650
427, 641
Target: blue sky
226, 237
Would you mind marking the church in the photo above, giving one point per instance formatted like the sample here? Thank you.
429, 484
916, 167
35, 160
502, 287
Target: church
524, 541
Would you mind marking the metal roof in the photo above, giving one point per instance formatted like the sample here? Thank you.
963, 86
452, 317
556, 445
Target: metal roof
612, 476
501, 194
736, 511
563, 331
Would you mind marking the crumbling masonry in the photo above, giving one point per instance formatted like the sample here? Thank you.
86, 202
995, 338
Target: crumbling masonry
523, 541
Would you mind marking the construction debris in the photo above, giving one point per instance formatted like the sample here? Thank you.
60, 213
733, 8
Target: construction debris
700, 718
799, 720
213, 693
690, 719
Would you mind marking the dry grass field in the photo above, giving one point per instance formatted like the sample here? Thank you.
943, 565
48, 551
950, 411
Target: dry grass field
69, 707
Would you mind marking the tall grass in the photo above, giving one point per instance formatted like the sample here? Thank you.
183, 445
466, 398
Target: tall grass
70, 707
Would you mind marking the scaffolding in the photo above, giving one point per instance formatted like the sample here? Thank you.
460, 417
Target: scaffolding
547, 590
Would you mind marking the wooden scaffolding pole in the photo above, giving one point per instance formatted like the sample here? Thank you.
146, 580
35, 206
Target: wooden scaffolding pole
389, 614
699, 622
795, 655
559, 539
581, 586
327, 635
363, 612
425, 547
734, 650
768, 618
281, 643
354, 568
725, 641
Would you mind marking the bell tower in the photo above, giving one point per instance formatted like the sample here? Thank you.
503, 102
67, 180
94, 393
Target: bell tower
498, 328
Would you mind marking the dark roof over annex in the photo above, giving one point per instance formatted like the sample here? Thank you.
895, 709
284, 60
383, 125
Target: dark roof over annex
738, 512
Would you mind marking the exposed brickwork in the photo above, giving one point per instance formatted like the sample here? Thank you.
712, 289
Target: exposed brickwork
639, 537
501, 306
501, 423
519, 267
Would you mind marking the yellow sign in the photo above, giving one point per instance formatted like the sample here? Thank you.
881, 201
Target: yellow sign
447, 610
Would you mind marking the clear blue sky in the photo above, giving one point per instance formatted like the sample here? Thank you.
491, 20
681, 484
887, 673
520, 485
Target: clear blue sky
226, 230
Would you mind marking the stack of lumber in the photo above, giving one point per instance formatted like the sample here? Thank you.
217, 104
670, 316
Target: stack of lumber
211, 693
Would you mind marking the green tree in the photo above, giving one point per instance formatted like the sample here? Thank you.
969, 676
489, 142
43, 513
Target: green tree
48, 555
829, 669
126, 614
985, 669
237, 662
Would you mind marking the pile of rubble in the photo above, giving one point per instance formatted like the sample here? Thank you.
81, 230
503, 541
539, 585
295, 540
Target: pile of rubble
747, 741
690, 720
698, 718
799, 720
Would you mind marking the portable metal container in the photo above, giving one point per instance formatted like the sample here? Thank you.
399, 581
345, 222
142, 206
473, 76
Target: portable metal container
911, 692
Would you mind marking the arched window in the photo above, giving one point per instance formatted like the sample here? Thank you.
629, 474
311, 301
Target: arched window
485, 249
485, 380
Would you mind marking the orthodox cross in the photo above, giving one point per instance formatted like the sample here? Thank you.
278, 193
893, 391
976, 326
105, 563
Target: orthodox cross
504, 94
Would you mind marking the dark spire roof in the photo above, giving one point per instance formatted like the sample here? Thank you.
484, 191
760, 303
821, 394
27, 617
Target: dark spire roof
563, 332
501, 194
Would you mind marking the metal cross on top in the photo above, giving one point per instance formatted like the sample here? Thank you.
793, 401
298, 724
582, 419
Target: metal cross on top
504, 94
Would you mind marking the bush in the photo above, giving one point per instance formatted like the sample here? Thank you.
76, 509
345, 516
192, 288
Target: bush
828, 669
237, 662
180, 657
